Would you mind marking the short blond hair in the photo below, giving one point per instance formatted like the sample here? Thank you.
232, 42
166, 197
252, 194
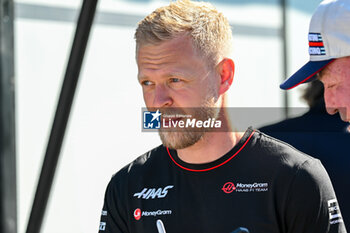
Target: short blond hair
209, 29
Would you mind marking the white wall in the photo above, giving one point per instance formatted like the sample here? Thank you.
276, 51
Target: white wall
104, 130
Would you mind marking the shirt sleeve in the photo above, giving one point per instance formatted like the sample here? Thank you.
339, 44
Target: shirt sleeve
312, 205
112, 218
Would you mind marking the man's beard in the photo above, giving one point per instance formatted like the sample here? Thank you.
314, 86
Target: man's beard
180, 138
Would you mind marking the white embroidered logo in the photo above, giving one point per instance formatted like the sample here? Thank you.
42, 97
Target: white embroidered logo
147, 193
334, 212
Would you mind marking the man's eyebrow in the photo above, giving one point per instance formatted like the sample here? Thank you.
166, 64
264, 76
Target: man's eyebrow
141, 77
165, 76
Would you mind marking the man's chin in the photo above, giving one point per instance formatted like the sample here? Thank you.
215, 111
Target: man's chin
175, 147
179, 140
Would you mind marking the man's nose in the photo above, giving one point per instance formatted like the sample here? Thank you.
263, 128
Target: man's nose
162, 97
330, 102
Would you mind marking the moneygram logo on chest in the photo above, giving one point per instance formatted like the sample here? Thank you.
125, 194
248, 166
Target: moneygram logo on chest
153, 193
229, 187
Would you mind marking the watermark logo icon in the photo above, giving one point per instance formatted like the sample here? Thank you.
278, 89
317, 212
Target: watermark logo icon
151, 120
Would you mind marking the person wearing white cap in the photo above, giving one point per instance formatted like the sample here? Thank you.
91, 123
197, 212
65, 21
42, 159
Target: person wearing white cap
329, 49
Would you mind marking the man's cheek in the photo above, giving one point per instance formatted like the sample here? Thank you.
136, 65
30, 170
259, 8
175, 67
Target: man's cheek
147, 98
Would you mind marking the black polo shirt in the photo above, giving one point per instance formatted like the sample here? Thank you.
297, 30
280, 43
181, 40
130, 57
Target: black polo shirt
261, 184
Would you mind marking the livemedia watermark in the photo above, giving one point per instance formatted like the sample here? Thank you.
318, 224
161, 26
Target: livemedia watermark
239, 119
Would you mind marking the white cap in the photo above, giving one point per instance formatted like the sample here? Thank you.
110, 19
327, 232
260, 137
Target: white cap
329, 38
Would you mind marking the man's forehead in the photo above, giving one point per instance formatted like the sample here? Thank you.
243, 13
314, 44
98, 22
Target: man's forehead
181, 40
336, 71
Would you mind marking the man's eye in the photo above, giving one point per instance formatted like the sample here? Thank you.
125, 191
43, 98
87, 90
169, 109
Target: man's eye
146, 83
175, 80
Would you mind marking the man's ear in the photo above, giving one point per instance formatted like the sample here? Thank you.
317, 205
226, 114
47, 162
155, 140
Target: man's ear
226, 69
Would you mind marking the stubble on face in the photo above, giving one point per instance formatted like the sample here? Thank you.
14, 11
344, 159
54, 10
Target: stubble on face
181, 138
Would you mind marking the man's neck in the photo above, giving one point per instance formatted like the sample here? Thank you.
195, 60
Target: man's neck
210, 148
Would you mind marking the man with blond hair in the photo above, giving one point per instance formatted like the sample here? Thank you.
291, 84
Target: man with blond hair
208, 179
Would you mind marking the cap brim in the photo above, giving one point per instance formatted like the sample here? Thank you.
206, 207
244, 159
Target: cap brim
304, 74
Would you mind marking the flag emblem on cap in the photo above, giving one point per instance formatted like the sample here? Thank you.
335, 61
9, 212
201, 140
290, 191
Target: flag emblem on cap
316, 46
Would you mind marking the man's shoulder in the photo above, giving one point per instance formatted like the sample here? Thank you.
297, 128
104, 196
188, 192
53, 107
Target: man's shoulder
281, 151
142, 163
288, 165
